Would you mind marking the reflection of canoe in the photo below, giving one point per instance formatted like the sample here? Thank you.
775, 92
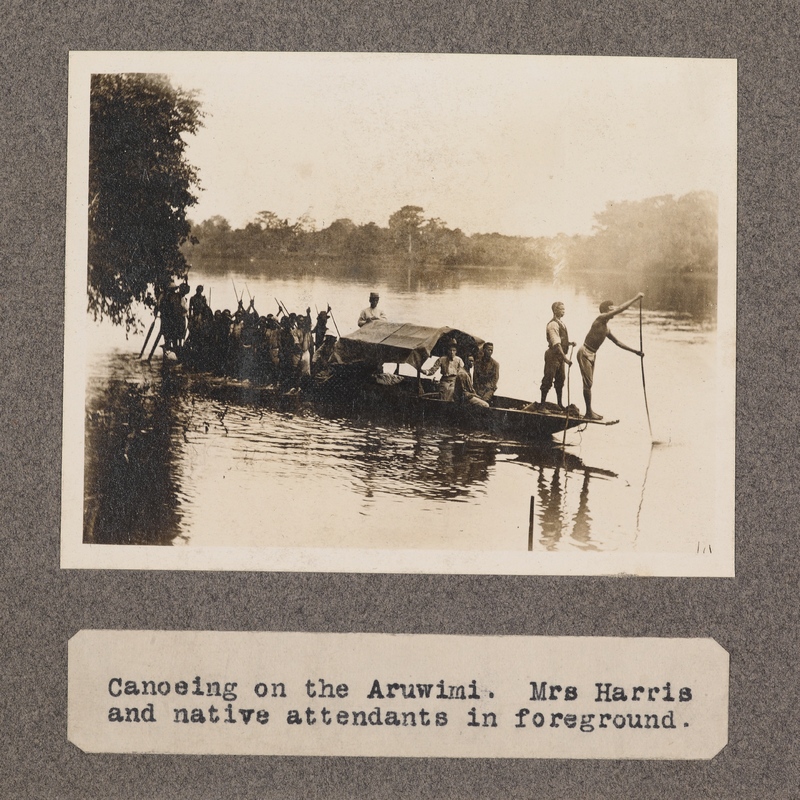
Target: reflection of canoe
354, 384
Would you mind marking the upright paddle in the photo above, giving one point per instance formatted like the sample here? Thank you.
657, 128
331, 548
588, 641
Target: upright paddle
155, 342
641, 359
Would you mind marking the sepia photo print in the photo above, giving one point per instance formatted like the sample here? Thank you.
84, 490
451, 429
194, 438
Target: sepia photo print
400, 313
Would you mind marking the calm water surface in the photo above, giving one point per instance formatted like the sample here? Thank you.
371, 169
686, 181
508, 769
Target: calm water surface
184, 459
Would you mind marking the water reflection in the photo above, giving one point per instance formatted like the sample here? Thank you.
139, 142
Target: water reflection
687, 297
556, 519
448, 467
131, 489
162, 442
401, 275
681, 295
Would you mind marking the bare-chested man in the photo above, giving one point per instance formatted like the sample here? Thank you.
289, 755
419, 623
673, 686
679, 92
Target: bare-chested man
596, 336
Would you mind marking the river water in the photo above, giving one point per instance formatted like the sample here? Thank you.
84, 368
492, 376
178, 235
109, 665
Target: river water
182, 459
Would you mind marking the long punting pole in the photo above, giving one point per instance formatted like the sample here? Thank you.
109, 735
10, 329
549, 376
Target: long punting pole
333, 319
641, 359
147, 338
566, 421
155, 343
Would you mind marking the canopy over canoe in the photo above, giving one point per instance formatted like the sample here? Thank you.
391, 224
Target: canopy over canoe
403, 343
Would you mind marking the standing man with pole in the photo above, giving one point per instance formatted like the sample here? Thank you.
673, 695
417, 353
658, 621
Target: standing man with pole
556, 355
598, 333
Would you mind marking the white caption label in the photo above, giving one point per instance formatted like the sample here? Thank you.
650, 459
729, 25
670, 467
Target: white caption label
326, 694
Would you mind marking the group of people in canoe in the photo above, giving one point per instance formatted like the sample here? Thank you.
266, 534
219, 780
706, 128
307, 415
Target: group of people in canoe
472, 379
291, 347
475, 379
286, 346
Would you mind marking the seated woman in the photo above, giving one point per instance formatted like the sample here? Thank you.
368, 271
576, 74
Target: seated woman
486, 373
465, 391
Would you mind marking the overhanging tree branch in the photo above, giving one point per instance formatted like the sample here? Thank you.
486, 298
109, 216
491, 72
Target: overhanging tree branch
140, 187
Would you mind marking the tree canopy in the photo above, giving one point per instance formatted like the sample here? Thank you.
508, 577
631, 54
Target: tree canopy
658, 235
405, 225
410, 236
140, 187
657, 243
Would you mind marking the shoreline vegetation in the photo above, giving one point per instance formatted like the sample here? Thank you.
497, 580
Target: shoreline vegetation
665, 246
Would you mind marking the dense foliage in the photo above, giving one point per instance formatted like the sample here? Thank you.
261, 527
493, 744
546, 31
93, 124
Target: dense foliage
140, 186
410, 236
657, 237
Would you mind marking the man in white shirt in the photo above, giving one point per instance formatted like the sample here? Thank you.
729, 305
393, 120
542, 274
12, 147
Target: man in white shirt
372, 312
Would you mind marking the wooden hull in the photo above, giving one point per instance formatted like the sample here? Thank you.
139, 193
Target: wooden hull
505, 418
351, 393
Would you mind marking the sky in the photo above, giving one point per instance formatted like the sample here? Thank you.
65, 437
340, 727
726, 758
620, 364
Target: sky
521, 145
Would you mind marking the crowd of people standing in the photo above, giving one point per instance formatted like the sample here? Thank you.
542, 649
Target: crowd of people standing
285, 346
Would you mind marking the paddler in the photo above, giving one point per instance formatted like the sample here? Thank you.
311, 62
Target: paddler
324, 356
197, 304
598, 333
173, 316
321, 328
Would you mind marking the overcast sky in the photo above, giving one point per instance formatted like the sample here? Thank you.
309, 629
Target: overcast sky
516, 144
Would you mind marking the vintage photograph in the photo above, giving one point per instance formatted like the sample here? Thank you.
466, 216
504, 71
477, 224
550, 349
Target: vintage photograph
400, 313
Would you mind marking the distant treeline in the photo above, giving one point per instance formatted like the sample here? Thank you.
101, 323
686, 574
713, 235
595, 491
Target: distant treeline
659, 235
409, 236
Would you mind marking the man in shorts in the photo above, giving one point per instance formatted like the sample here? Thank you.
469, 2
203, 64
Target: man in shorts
556, 355
598, 333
